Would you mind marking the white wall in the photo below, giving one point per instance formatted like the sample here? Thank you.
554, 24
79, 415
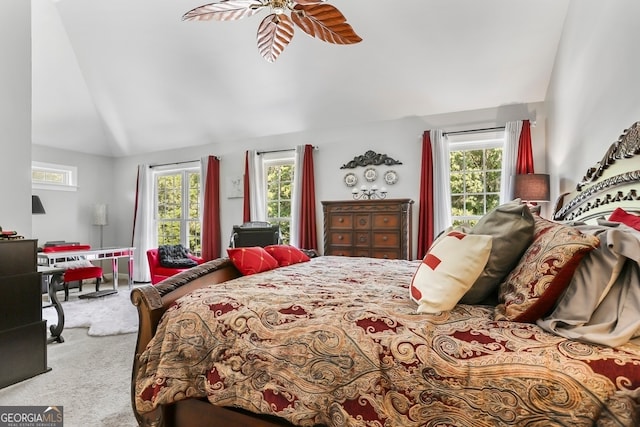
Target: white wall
400, 139
15, 116
594, 92
69, 214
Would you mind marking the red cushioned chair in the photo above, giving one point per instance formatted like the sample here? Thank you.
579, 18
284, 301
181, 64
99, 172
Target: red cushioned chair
158, 272
75, 273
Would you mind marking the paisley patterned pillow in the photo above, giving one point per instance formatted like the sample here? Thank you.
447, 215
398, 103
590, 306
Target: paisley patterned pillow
543, 272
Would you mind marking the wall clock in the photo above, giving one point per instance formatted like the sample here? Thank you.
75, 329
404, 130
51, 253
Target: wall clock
370, 174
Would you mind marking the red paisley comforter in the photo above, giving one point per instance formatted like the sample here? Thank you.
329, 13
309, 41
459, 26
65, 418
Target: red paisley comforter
336, 341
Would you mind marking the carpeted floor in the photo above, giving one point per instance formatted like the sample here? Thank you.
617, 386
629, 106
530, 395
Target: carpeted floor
89, 377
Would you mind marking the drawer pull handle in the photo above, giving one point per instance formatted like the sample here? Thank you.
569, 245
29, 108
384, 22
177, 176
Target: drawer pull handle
385, 238
340, 219
363, 239
385, 219
363, 221
340, 237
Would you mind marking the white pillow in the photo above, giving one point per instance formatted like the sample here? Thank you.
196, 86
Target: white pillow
81, 263
448, 270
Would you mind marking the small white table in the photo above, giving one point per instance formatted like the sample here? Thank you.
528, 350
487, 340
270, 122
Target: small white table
49, 259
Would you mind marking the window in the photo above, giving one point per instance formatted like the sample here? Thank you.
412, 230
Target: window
49, 176
279, 173
475, 168
177, 208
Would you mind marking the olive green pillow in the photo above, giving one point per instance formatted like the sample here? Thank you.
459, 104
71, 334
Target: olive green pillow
511, 225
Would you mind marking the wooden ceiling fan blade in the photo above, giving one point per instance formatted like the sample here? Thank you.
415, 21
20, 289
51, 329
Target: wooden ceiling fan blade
274, 34
307, 2
324, 22
224, 10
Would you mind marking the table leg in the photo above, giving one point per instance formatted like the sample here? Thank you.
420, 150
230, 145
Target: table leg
114, 269
56, 330
131, 271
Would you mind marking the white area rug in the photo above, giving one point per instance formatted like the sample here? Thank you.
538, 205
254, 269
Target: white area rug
108, 315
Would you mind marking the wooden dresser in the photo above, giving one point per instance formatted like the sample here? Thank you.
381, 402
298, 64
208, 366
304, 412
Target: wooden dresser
371, 228
23, 333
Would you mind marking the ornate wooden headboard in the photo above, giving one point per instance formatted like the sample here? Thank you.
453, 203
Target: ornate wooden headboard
613, 182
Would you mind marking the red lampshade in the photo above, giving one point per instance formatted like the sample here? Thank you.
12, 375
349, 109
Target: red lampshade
532, 187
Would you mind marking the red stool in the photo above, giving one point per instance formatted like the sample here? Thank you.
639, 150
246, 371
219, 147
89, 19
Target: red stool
75, 273
80, 274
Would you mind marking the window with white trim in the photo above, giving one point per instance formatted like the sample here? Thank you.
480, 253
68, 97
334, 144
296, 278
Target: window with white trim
475, 168
50, 176
279, 177
177, 207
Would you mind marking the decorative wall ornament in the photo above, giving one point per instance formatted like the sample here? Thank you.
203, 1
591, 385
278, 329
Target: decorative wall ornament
370, 158
371, 193
370, 174
390, 177
350, 179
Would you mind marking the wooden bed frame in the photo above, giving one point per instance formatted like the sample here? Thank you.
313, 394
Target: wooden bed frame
609, 184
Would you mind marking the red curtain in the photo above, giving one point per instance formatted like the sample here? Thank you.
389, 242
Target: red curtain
211, 236
307, 229
135, 206
246, 211
524, 163
425, 215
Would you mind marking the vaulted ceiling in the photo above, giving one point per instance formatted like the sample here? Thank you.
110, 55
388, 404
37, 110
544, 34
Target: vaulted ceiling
124, 77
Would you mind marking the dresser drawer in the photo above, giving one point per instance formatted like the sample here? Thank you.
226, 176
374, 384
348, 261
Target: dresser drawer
362, 252
386, 239
386, 220
386, 254
338, 251
340, 238
339, 221
362, 222
363, 238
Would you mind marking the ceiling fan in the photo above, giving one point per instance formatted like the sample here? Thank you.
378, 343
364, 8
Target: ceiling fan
314, 17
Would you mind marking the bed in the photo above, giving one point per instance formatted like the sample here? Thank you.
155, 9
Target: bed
339, 341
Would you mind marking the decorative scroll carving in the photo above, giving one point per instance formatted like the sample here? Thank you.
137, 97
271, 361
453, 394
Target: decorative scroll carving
569, 210
627, 145
370, 158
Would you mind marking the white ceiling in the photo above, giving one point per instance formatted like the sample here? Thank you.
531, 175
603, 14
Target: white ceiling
124, 77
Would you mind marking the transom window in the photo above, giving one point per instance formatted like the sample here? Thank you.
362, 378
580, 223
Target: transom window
475, 168
177, 208
279, 176
51, 176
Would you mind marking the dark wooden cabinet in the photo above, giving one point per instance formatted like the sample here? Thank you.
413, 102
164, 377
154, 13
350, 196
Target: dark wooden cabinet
371, 228
23, 333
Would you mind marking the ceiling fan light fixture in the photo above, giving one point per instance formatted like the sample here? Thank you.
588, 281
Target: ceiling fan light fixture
279, 6
314, 17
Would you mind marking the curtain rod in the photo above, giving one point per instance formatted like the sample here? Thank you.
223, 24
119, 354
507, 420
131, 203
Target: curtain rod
458, 132
173, 163
315, 147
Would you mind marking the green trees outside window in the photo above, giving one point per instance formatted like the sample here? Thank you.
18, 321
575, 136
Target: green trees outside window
178, 209
279, 189
475, 183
